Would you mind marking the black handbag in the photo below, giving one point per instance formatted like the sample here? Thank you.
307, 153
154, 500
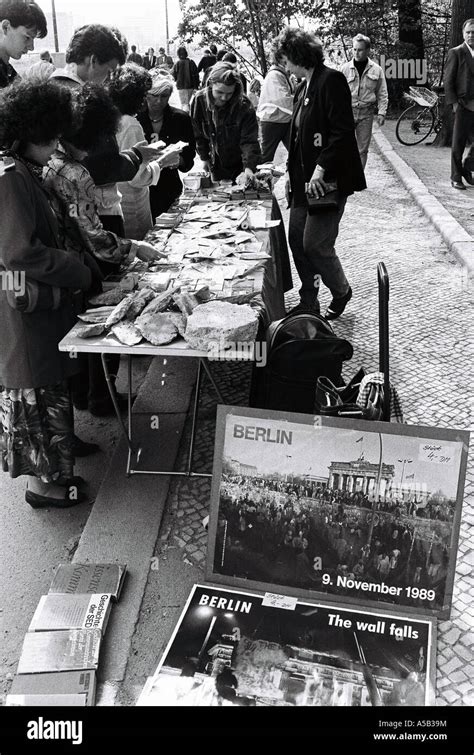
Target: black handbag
330, 201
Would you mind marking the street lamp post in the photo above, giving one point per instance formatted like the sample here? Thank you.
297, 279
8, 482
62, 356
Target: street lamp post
404, 462
55, 27
167, 29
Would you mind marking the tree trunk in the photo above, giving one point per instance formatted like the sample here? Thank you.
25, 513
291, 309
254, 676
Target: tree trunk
462, 10
410, 30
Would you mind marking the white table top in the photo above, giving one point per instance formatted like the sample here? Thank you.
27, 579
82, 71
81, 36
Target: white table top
109, 344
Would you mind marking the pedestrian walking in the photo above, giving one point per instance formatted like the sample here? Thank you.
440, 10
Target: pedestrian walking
185, 73
323, 151
368, 91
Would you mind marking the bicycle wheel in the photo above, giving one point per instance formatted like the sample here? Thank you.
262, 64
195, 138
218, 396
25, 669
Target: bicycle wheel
414, 125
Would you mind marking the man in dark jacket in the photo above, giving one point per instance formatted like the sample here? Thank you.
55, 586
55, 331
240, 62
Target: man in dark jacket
149, 61
207, 60
459, 88
323, 154
20, 24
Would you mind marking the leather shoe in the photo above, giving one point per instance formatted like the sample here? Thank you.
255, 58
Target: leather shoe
338, 305
457, 185
302, 307
468, 176
80, 448
37, 501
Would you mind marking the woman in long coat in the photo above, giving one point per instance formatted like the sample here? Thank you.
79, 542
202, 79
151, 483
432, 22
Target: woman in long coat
36, 302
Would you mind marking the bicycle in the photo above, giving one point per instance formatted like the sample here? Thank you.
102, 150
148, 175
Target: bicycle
419, 120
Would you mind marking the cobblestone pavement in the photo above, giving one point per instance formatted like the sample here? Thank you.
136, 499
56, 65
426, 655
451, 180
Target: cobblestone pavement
433, 166
431, 357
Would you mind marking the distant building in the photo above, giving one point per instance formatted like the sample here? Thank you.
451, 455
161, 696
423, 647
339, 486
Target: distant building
359, 476
245, 470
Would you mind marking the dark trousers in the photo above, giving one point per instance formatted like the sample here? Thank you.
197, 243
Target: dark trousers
463, 133
312, 239
272, 134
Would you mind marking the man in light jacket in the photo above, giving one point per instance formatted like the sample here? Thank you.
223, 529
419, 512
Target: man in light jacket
275, 110
368, 90
459, 88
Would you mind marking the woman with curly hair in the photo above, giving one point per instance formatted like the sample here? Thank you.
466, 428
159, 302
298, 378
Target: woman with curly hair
225, 125
128, 87
36, 303
75, 201
322, 154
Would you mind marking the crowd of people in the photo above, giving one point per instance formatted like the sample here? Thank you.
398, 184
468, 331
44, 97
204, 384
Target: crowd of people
83, 177
292, 533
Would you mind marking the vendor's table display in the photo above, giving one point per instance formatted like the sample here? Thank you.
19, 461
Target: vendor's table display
203, 300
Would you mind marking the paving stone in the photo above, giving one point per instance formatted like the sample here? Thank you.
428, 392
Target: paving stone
466, 653
452, 665
450, 696
458, 677
452, 636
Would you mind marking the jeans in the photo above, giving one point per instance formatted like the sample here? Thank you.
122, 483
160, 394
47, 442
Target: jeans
272, 135
312, 239
364, 119
185, 98
462, 133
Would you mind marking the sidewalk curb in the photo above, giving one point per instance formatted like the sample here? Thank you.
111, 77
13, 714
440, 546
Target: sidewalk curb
457, 239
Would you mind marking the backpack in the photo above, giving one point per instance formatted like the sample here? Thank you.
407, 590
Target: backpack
300, 348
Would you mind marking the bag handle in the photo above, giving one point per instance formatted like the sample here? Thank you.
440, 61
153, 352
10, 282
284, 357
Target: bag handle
384, 361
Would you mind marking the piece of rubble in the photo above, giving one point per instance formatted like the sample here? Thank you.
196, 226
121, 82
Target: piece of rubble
221, 323
157, 328
127, 333
90, 331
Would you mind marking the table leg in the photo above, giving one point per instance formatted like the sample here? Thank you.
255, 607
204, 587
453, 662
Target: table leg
197, 394
127, 434
209, 374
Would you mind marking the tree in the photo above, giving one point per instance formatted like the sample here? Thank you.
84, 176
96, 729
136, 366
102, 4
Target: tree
255, 22
462, 10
